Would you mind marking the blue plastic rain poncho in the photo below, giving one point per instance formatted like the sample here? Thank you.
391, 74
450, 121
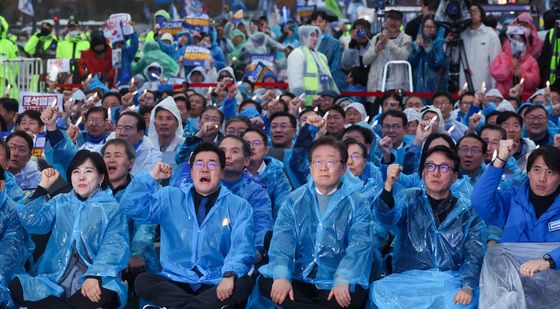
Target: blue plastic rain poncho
276, 183
511, 210
95, 229
147, 155
429, 64
372, 182
337, 244
29, 176
224, 242
12, 189
124, 73
455, 246
13, 239
247, 188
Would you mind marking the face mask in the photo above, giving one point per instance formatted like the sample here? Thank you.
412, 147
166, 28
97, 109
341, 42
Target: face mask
517, 48
45, 31
74, 33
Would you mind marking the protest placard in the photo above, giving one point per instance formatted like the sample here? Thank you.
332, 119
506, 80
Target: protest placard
118, 26
39, 101
196, 56
173, 27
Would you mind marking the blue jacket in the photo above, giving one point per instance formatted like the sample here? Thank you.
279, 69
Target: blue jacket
13, 239
511, 210
224, 242
124, 74
331, 48
276, 183
457, 244
372, 182
248, 189
429, 66
337, 244
94, 228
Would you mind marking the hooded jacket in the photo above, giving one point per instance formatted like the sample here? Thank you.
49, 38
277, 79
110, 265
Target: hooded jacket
8, 49
502, 71
152, 53
481, 47
169, 105
259, 43
236, 52
201, 70
297, 59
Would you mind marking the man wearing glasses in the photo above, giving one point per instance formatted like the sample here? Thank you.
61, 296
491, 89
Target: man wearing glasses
394, 125
207, 235
442, 101
471, 149
536, 125
440, 240
321, 250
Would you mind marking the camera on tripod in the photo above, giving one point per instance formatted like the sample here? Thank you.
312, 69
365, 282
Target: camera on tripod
454, 16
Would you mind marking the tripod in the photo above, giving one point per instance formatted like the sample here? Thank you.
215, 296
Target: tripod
457, 58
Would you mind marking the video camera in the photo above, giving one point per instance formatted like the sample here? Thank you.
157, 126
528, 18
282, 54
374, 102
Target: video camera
454, 16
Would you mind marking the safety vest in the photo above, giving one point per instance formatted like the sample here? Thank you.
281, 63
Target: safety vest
552, 37
311, 74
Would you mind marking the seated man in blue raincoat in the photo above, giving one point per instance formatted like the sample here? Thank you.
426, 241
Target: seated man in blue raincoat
240, 183
322, 247
522, 271
207, 235
13, 240
267, 170
440, 240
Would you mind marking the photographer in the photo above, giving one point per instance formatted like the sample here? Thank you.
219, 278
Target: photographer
428, 59
482, 45
352, 57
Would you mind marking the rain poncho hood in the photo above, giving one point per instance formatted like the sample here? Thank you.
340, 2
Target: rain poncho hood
152, 53
535, 48
430, 108
199, 69
304, 33
359, 107
97, 84
5, 26
162, 13
170, 105
229, 70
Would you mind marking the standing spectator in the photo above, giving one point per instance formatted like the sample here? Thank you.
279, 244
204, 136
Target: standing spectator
414, 26
329, 46
43, 43
74, 43
390, 44
427, 58
482, 45
308, 69
515, 62
352, 57
98, 59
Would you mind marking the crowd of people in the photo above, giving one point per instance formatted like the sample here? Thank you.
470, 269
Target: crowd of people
164, 184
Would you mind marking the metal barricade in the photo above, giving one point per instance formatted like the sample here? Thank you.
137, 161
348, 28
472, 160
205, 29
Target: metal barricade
397, 62
22, 74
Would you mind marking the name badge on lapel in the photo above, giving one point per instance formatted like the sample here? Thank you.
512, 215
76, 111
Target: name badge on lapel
554, 226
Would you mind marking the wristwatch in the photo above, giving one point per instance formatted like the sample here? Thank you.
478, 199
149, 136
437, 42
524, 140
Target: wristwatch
550, 261
229, 274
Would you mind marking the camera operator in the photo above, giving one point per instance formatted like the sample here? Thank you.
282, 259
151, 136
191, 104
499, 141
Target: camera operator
352, 56
482, 45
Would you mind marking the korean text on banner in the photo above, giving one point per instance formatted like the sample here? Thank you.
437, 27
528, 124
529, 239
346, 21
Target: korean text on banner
196, 56
118, 26
39, 101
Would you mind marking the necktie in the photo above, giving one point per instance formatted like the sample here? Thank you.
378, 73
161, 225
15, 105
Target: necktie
201, 210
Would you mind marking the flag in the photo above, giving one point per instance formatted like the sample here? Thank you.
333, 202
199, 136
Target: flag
26, 7
332, 6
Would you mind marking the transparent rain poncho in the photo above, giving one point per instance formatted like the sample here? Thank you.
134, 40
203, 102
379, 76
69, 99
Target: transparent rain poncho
455, 246
502, 286
95, 229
